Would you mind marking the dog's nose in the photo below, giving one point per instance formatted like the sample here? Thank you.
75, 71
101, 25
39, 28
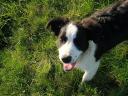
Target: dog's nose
67, 59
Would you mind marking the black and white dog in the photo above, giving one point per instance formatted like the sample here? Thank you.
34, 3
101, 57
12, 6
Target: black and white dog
81, 44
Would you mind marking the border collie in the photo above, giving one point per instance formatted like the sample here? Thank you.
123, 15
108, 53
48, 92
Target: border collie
82, 44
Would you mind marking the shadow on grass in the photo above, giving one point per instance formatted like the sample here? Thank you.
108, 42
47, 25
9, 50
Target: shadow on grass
6, 31
103, 83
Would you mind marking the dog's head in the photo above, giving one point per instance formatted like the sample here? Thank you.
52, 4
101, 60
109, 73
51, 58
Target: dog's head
72, 40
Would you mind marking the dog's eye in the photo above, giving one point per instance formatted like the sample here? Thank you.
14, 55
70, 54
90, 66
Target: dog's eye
63, 39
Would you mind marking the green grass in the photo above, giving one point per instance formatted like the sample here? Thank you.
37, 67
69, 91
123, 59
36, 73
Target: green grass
29, 64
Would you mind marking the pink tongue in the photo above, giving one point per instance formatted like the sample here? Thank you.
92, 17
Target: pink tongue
68, 67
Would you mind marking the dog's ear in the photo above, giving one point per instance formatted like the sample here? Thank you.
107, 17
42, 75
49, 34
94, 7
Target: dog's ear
56, 24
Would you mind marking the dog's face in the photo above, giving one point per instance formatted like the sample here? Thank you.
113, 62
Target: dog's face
72, 41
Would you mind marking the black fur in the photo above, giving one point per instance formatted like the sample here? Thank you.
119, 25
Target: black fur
56, 24
62, 38
81, 40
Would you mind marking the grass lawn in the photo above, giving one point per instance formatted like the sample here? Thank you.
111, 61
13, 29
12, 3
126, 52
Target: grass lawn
29, 64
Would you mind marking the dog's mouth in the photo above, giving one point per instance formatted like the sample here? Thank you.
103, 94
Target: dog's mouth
68, 66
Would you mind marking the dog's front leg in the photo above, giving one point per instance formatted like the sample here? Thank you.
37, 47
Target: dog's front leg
90, 71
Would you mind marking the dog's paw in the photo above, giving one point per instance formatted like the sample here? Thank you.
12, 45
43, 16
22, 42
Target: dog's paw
82, 87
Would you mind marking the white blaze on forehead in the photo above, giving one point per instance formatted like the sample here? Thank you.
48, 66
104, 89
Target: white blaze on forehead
71, 31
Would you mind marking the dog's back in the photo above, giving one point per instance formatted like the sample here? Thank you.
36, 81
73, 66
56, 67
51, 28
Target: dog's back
109, 26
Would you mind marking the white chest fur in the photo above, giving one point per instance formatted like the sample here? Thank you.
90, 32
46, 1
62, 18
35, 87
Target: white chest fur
88, 63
